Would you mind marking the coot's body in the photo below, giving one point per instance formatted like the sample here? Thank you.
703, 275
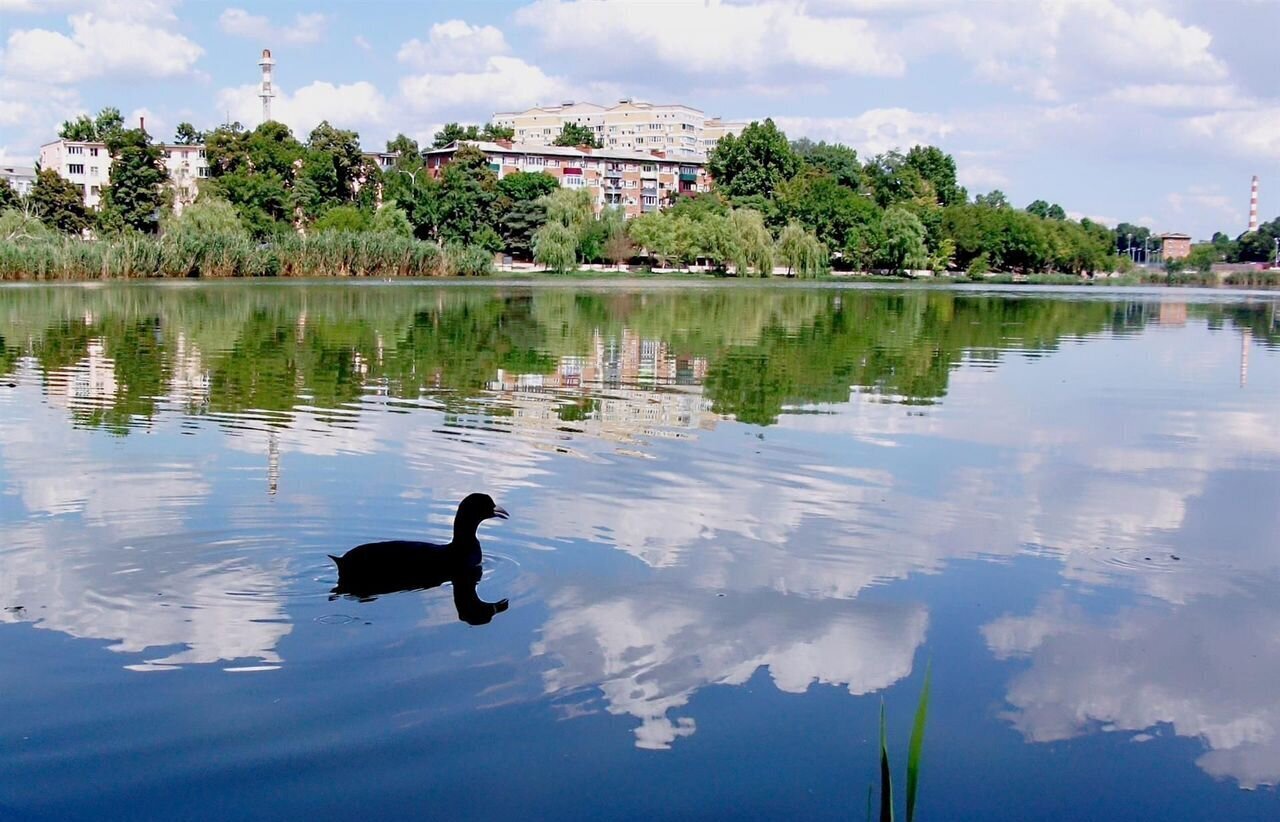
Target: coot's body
375, 568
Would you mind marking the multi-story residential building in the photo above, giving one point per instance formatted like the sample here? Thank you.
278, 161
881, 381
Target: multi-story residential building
88, 166
635, 181
631, 125
20, 178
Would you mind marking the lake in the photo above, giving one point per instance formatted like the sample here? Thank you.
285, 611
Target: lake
743, 518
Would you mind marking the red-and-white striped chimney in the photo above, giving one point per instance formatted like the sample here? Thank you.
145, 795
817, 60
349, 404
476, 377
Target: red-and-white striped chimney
1253, 204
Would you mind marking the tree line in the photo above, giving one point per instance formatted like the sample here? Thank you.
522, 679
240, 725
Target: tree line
800, 205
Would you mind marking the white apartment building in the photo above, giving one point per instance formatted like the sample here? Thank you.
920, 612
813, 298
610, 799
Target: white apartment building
631, 125
88, 166
20, 178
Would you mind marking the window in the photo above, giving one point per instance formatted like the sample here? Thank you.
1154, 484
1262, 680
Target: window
75, 168
94, 190
650, 199
93, 170
75, 149
203, 171
571, 181
388, 159
93, 152
511, 161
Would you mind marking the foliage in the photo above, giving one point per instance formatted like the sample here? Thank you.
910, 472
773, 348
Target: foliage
206, 217
468, 193
576, 134
136, 195
58, 202
802, 252
837, 160
8, 197
19, 225
902, 242
518, 226
938, 169
342, 219
751, 248
992, 199
98, 129
1042, 209
453, 132
187, 135
391, 219
753, 163
407, 148
656, 234
527, 185
555, 246
467, 260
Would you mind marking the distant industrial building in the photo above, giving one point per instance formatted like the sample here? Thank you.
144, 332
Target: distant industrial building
20, 178
637, 182
88, 166
631, 125
1175, 246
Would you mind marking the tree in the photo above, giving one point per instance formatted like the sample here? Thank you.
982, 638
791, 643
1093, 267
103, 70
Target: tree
753, 163
618, 247
255, 171
1201, 258
407, 148
555, 246
995, 199
206, 217
343, 219
58, 202
468, 192
1056, 212
391, 219
136, 195
453, 132
752, 246
1042, 209
8, 197
938, 168
839, 161
187, 135
843, 220
518, 226
19, 224
656, 234
80, 130
801, 251
108, 122
902, 246
527, 185
575, 134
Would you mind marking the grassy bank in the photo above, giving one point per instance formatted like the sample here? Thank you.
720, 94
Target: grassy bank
323, 255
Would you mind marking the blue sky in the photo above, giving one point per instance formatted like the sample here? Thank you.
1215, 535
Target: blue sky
1155, 112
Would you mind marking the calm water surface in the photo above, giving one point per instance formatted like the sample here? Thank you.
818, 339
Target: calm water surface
741, 519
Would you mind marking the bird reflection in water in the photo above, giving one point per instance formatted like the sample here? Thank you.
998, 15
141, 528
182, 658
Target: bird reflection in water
375, 568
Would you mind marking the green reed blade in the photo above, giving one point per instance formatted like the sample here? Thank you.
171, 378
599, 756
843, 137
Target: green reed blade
916, 743
886, 781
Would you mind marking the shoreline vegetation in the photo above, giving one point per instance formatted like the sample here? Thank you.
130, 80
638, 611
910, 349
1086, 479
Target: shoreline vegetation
277, 206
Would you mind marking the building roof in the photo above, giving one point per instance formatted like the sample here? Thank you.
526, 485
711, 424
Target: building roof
571, 152
18, 171
1175, 235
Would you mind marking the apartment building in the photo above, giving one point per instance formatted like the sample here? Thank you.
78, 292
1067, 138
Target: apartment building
20, 178
88, 166
637, 182
631, 125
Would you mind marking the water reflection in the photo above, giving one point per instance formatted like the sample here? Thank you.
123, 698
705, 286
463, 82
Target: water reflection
711, 483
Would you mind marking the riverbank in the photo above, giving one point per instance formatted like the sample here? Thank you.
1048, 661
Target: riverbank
383, 256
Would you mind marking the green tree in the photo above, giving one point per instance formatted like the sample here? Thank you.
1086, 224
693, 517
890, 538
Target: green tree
527, 185
58, 202
902, 246
468, 193
656, 234
575, 134
753, 163
136, 195
207, 217
933, 165
188, 135
343, 219
453, 132
391, 219
802, 252
407, 148
8, 197
519, 224
890, 179
839, 161
108, 123
843, 220
255, 171
1202, 257
555, 247
994, 199
752, 247
80, 130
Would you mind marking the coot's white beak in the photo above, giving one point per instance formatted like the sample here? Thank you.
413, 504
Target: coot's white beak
500, 512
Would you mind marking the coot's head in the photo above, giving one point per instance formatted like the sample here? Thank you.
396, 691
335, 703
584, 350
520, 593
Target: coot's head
477, 507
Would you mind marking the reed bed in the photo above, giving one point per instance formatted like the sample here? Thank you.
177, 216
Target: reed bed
184, 255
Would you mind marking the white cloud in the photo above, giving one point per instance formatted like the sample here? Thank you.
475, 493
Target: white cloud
94, 49
306, 28
362, 43
348, 105
1178, 96
1198, 201
1251, 133
454, 46
873, 131
712, 37
502, 83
